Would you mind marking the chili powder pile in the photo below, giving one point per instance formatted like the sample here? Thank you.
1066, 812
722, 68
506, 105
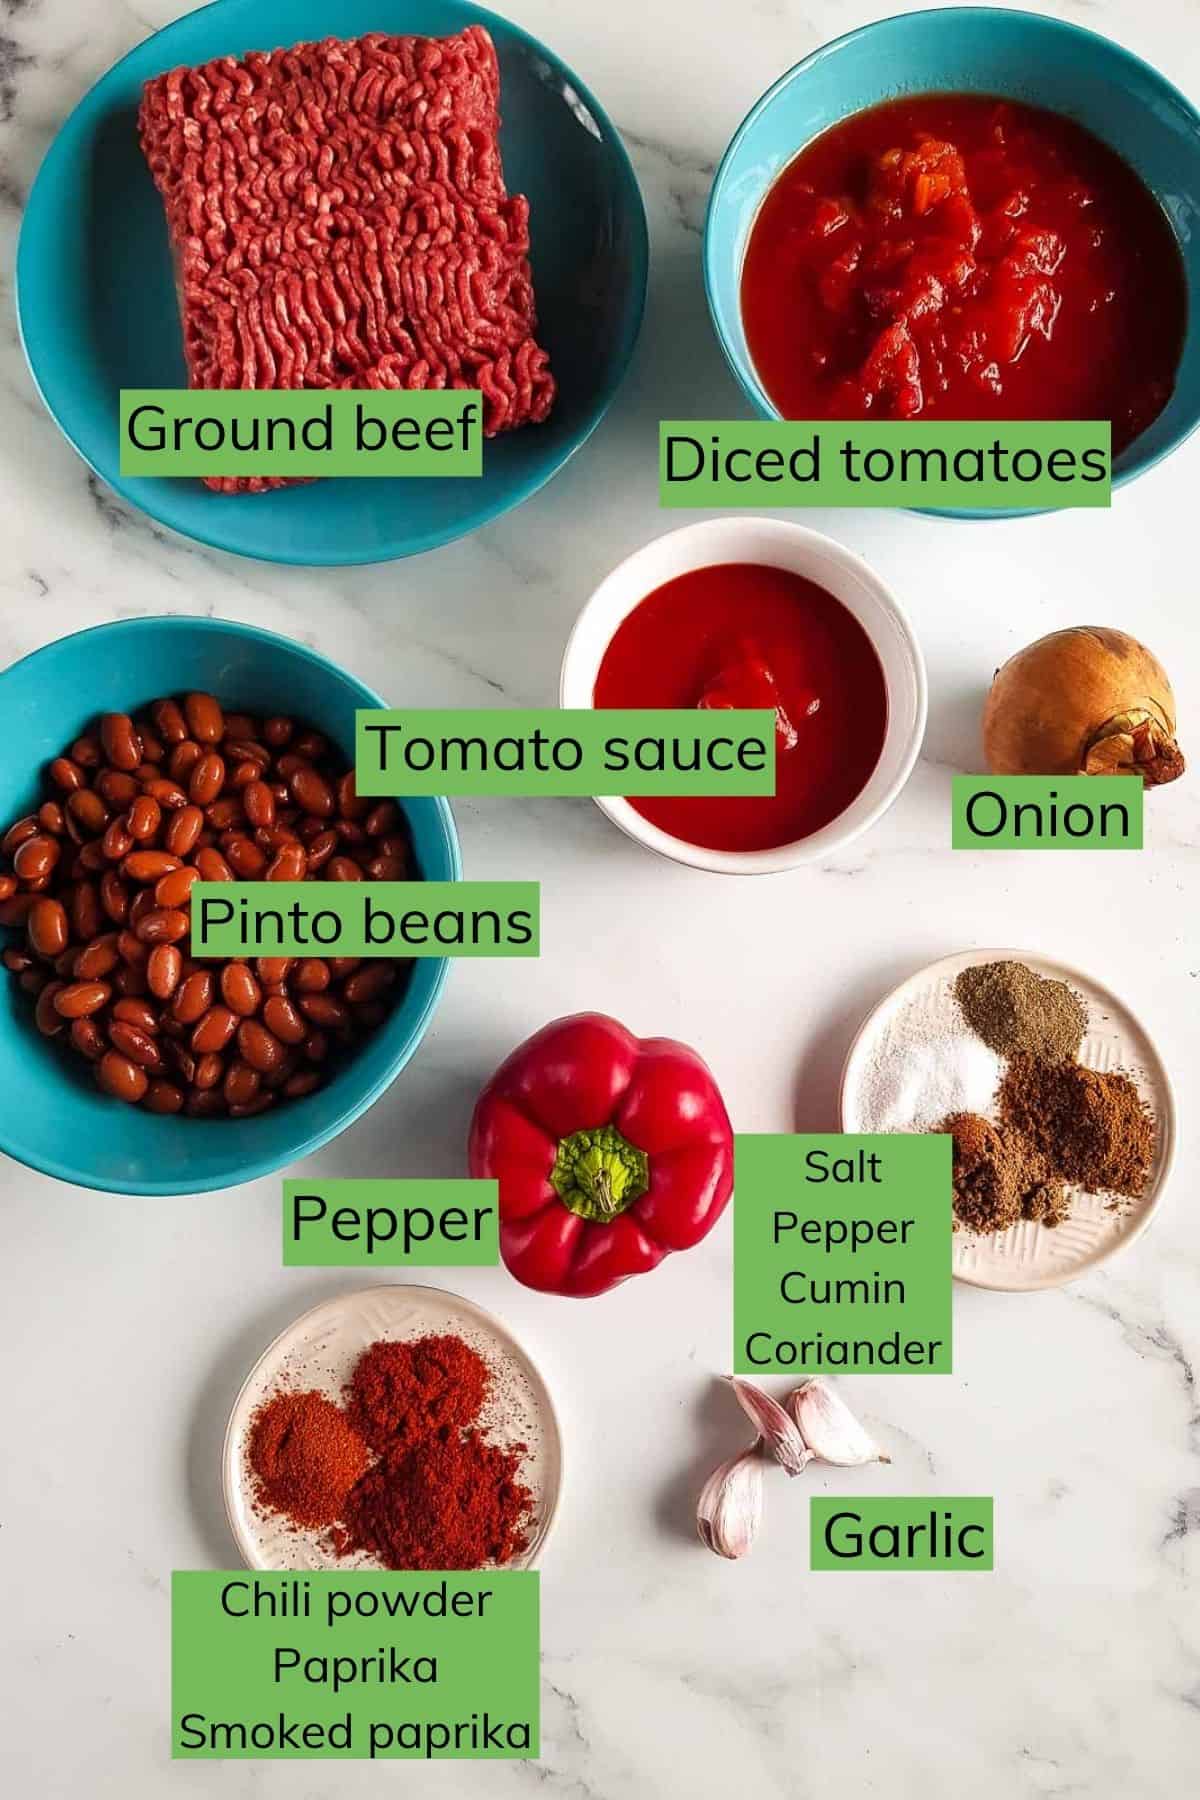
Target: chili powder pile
306, 1457
403, 1471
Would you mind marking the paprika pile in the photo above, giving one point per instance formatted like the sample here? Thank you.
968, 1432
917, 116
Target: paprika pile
401, 1393
403, 1470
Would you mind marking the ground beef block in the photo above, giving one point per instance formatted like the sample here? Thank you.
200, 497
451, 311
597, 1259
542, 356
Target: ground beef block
339, 218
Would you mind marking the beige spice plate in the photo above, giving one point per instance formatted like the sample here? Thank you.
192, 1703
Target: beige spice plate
320, 1349
1028, 1256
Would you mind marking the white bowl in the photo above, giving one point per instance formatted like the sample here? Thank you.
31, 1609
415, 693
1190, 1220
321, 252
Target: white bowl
781, 545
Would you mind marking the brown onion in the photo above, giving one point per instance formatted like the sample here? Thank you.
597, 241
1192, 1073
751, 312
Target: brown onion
1088, 701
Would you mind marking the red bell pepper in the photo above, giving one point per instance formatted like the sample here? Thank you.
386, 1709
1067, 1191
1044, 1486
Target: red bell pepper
609, 1151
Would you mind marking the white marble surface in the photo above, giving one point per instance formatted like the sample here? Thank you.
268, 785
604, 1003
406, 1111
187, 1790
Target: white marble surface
126, 1325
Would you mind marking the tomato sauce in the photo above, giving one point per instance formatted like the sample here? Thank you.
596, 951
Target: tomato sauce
745, 635
957, 256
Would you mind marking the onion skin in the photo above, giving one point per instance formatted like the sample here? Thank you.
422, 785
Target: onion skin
1087, 701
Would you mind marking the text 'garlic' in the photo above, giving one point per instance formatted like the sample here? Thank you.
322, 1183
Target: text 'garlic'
778, 1431
830, 1429
729, 1510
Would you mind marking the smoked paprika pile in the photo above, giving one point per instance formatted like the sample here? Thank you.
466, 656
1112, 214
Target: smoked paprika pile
452, 1503
403, 1470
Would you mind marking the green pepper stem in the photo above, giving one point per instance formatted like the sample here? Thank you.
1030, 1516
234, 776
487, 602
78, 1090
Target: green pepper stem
598, 1174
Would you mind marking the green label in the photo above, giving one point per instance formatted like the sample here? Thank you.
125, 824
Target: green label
528, 752
300, 431
395, 1224
354, 1665
1046, 812
1001, 465
841, 1254
366, 918
901, 1532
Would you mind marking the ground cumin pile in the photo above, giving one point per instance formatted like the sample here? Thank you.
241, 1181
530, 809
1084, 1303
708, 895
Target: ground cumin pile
1094, 1129
404, 1470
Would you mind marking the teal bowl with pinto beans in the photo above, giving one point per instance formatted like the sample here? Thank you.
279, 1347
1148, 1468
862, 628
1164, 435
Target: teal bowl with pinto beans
54, 1117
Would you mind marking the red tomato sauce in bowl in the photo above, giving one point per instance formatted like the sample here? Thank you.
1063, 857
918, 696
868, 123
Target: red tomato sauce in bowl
748, 635
958, 256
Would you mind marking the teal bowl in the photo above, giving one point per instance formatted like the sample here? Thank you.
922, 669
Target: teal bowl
979, 49
54, 1118
97, 307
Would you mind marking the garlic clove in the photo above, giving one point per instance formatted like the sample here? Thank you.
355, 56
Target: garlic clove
830, 1429
777, 1429
729, 1510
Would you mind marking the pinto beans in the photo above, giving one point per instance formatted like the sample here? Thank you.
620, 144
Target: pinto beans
98, 879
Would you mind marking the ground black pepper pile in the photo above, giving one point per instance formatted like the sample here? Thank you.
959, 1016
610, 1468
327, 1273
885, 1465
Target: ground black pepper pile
1018, 1013
1057, 1123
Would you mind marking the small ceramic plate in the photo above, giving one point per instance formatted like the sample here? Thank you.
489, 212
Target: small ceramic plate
320, 1350
1029, 1256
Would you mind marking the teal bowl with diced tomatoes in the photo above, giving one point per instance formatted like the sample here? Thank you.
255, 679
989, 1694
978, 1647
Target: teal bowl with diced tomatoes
871, 252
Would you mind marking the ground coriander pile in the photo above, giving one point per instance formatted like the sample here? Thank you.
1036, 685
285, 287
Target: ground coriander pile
1000, 1177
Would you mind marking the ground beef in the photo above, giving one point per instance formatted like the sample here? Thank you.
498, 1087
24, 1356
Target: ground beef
339, 218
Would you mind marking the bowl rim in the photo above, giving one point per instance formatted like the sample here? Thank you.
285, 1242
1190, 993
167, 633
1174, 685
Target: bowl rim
257, 1167
417, 542
757, 394
819, 845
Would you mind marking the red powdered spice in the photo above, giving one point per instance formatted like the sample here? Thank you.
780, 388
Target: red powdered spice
306, 1457
400, 1394
452, 1503
439, 1495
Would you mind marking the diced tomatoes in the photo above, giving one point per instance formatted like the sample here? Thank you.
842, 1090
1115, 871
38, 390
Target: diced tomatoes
956, 257
891, 375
